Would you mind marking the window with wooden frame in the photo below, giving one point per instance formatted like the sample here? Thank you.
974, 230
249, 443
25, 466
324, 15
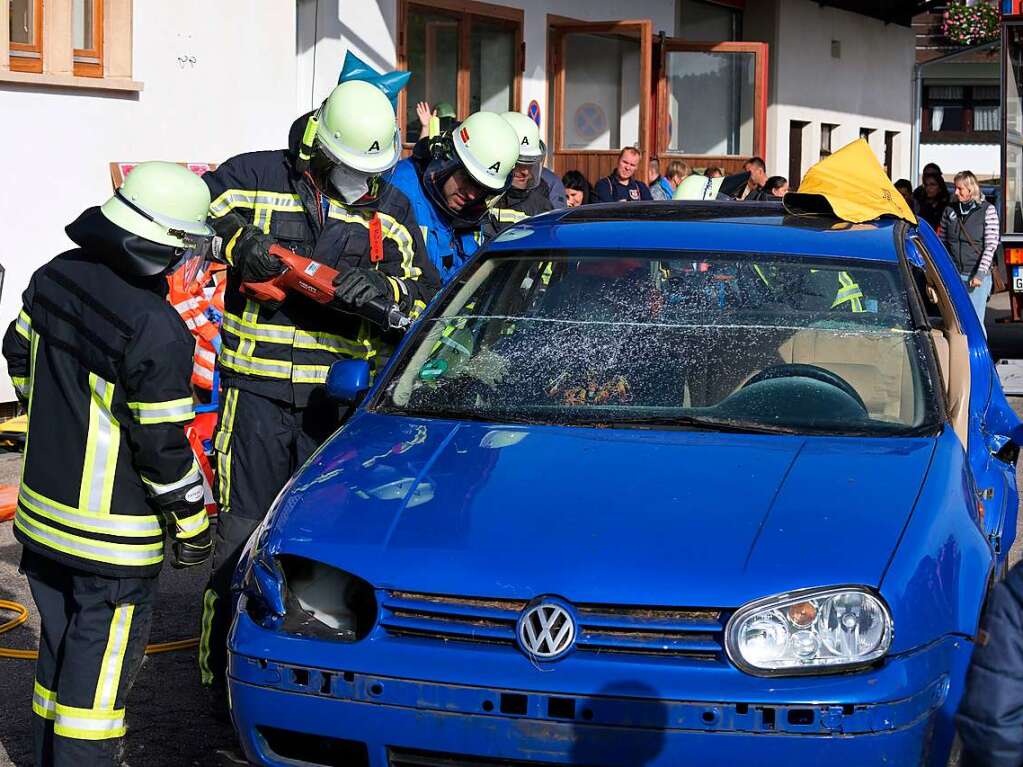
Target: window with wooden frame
464, 57
961, 113
26, 35
87, 37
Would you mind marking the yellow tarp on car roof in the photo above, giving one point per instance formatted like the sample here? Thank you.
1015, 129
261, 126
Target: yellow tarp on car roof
850, 184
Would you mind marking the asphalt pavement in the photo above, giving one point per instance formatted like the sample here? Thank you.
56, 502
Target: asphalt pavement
168, 715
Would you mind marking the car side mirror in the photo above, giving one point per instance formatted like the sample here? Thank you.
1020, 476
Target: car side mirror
348, 381
1002, 448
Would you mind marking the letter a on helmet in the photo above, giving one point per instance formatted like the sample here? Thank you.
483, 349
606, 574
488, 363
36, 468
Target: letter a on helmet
488, 147
356, 127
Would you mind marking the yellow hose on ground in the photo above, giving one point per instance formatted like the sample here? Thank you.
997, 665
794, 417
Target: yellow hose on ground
21, 615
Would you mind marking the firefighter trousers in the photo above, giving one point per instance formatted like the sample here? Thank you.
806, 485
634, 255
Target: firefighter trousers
92, 640
259, 444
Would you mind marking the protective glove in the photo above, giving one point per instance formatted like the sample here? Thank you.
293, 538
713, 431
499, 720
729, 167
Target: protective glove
189, 552
357, 286
193, 542
251, 255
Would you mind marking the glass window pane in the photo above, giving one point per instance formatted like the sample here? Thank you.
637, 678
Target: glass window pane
707, 22
945, 92
710, 102
987, 118
22, 21
986, 93
81, 25
601, 95
433, 62
1013, 131
492, 73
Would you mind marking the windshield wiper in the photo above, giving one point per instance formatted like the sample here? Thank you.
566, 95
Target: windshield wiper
701, 424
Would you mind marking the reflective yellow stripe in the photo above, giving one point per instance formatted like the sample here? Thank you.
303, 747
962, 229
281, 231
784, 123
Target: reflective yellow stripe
31, 397
244, 363
255, 331
230, 199
209, 601
508, 215
88, 723
313, 374
113, 658
20, 385
222, 441
44, 702
132, 555
191, 477
391, 229
101, 447
395, 286
124, 525
229, 250
189, 527
24, 325
329, 342
170, 411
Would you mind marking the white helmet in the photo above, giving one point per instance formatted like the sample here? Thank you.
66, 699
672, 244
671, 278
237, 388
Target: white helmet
356, 127
488, 148
532, 150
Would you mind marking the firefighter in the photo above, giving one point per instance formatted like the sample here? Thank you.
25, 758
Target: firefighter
103, 363
529, 194
453, 179
324, 198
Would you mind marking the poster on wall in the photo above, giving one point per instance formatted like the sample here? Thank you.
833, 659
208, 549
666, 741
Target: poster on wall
118, 170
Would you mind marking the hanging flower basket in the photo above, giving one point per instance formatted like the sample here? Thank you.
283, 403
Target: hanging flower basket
971, 24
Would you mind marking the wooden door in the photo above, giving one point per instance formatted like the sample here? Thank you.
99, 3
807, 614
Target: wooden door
711, 103
596, 112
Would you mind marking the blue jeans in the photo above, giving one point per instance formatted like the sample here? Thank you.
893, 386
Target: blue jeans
979, 296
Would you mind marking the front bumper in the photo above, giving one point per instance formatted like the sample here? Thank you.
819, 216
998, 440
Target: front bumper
289, 713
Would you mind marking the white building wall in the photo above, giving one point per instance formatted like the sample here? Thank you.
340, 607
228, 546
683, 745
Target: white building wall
218, 78
868, 86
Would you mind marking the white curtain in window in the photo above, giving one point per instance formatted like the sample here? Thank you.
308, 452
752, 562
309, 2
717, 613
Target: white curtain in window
937, 117
987, 119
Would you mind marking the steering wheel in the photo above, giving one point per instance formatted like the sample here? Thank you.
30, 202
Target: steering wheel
802, 370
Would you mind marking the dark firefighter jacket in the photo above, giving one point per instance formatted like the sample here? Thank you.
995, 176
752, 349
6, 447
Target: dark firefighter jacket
284, 352
517, 205
104, 363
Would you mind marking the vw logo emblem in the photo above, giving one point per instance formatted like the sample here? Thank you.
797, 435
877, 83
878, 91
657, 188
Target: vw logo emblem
546, 630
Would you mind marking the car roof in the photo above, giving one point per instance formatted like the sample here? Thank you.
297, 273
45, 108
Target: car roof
716, 226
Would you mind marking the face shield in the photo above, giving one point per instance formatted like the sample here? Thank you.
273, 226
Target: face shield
526, 174
455, 192
195, 239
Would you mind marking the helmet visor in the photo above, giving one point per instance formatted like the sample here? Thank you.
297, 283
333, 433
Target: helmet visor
188, 232
526, 173
456, 192
372, 163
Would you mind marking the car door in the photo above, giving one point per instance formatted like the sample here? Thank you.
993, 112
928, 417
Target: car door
994, 430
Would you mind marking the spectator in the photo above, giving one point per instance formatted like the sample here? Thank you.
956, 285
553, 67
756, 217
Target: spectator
557, 189
757, 170
775, 186
676, 173
934, 201
969, 229
660, 187
930, 169
577, 188
714, 171
621, 185
905, 188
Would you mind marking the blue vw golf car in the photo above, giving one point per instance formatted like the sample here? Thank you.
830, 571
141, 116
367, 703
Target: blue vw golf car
657, 484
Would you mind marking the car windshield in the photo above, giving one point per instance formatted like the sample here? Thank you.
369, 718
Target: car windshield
701, 340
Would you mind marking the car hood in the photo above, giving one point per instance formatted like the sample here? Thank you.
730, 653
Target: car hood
597, 515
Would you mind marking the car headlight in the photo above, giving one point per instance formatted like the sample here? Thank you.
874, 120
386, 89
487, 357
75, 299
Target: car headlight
308, 598
325, 602
813, 631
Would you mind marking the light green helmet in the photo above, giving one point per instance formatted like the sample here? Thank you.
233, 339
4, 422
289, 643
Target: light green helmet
531, 147
697, 187
487, 147
444, 109
356, 127
161, 202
